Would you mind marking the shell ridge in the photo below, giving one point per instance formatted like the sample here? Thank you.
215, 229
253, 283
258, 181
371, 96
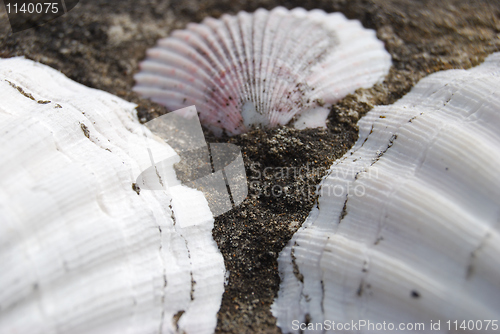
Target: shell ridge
216, 57
229, 43
279, 76
271, 37
246, 55
236, 36
218, 86
150, 63
286, 91
225, 76
286, 73
237, 60
435, 196
261, 19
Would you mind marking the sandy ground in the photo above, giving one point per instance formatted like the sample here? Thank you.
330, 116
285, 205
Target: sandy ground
100, 43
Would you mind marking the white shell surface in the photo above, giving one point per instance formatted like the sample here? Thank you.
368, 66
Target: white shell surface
80, 250
267, 68
407, 225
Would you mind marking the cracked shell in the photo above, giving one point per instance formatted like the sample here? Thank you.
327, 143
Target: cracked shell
407, 225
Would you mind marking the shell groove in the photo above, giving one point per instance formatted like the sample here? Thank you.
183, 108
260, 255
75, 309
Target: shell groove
82, 250
267, 68
407, 225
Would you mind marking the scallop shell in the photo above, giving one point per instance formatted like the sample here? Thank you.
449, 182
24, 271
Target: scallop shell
82, 248
267, 68
407, 225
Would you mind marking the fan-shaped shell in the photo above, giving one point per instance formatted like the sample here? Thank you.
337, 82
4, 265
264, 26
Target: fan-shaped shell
407, 226
266, 68
83, 250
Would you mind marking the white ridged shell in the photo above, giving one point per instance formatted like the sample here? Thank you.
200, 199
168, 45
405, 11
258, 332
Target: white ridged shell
264, 68
407, 226
80, 250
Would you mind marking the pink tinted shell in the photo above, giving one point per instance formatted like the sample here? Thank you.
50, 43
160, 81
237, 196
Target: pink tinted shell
267, 69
